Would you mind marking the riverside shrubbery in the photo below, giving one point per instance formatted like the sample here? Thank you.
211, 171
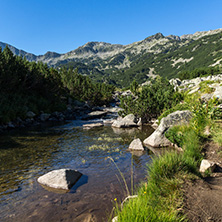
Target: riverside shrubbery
151, 100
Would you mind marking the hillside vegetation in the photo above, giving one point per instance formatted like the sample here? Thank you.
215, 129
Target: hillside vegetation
167, 56
30, 86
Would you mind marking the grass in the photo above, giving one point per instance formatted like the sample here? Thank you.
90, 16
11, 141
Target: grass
104, 147
122, 176
217, 134
105, 138
160, 198
106, 143
205, 88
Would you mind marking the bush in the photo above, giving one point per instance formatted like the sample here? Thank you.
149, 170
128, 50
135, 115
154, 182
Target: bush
151, 100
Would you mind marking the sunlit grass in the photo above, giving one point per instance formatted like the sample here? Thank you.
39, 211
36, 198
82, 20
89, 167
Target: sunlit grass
160, 199
217, 134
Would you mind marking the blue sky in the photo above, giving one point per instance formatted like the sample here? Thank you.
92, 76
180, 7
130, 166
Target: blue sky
38, 26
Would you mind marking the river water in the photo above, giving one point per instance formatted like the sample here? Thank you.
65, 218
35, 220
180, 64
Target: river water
27, 154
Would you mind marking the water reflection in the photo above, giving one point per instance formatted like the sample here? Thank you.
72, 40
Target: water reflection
25, 155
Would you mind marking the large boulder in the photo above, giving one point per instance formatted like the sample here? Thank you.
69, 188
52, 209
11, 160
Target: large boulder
157, 138
128, 121
60, 179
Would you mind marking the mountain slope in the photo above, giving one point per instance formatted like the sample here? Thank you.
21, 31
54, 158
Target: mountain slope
157, 54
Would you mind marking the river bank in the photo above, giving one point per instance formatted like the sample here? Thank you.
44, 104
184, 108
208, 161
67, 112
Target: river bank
174, 179
81, 112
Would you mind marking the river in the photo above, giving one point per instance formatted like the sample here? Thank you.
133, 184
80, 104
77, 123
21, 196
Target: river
29, 153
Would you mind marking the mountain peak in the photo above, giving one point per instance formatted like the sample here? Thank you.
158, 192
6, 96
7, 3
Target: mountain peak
157, 36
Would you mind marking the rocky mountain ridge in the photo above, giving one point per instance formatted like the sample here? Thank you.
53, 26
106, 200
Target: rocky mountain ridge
159, 54
105, 50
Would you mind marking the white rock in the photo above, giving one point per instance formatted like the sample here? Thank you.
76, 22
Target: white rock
207, 165
127, 121
218, 92
155, 125
108, 121
60, 179
157, 138
206, 97
195, 89
136, 144
139, 123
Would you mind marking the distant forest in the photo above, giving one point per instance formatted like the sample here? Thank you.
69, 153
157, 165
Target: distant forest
30, 86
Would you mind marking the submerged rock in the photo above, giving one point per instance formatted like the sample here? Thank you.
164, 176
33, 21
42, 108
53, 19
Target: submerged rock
95, 115
60, 179
92, 125
157, 138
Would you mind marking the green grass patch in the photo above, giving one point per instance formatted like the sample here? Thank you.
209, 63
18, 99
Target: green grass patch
160, 199
217, 134
205, 88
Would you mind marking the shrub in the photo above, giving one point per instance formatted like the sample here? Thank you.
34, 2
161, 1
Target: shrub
151, 100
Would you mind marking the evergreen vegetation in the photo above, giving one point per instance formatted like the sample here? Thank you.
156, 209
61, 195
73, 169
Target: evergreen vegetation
203, 52
150, 101
178, 58
199, 72
29, 86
